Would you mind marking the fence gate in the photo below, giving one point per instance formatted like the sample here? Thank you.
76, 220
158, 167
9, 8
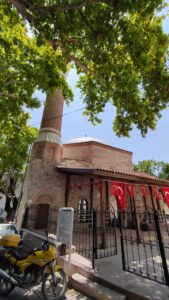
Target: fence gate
145, 244
94, 233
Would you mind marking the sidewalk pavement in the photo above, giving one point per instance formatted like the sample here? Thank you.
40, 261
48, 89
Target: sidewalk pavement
35, 294
110, 270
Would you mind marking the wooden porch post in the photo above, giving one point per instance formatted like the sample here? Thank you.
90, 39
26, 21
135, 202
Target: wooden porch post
107, 194
91, 193
138, 230
151, 196
67, 190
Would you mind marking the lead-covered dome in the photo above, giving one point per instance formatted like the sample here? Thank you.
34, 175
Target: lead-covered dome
83, 140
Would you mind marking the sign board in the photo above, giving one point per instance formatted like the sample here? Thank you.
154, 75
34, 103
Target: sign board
3, 213
65, 226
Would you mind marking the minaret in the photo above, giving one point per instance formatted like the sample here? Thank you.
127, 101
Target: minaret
48, 145
43, 186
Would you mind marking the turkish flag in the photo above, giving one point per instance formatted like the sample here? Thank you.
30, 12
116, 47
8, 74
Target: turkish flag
156, 193
118, 190
130, 189
98, 184
144, 190
165, 192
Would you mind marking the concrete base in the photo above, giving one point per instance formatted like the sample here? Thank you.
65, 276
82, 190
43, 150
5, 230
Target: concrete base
93, 289
98, 285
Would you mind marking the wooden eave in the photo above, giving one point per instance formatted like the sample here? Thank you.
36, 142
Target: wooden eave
114, 175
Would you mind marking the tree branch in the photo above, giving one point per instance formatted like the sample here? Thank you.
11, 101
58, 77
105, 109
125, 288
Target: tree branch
25, 7
80, 64
3, 94
23, 10
62, 7
55, 44
13, 81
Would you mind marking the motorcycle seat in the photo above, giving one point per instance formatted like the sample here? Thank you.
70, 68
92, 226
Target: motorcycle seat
19, 254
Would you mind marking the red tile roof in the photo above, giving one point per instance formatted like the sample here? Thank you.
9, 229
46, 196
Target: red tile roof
141, 175
77, 166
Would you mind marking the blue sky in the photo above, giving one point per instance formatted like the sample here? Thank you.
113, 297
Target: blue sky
154, 146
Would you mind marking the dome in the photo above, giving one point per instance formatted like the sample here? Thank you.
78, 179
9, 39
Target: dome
83, 140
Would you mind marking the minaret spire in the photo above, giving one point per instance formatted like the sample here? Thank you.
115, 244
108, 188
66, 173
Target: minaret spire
48, 145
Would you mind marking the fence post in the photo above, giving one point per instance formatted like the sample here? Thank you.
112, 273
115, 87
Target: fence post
162, 250
115, 235
96, 233
122, 243
94, 224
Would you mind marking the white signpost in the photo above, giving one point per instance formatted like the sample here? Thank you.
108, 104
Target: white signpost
3, 213
65, 228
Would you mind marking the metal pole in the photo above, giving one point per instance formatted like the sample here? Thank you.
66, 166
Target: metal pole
94, 237
122, 244
162, 250
102, 217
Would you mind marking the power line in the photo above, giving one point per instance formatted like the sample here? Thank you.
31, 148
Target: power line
82, 108
74, 111
71, 112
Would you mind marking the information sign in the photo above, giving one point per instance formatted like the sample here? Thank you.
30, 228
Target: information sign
65, 226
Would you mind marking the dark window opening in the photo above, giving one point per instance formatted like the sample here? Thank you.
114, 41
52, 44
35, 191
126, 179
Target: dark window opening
83, 207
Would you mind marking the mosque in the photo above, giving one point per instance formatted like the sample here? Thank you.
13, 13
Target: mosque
83, 173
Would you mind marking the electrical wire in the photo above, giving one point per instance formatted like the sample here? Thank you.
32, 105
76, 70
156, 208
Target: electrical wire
60, 116
74, 111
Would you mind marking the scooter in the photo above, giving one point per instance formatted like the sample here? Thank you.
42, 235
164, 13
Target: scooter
39, 266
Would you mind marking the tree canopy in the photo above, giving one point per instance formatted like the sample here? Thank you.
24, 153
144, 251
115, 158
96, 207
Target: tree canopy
119, 49
24, 67
155, 168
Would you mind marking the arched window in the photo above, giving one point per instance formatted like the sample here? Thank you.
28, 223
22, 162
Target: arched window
83, 207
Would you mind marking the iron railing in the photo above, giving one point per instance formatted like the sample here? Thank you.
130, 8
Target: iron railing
94, 234
94, 231
144, 244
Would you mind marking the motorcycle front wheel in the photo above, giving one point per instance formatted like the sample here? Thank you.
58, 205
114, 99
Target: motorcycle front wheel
5, 287
51, 290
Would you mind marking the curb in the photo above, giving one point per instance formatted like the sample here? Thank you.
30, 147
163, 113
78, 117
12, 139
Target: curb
89, 274
94, 290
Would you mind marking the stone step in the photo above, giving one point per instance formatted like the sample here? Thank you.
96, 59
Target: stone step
93, 289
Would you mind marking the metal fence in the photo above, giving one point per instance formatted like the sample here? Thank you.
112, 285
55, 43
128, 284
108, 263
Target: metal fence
94, 231
94, 234
145, 245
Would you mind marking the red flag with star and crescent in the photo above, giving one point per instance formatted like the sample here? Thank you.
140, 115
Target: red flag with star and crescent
118, 190
144, 190
130, 189
156, 193
165, 192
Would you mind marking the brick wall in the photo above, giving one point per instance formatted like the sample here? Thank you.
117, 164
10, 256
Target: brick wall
46, 150
42, 184
99, 155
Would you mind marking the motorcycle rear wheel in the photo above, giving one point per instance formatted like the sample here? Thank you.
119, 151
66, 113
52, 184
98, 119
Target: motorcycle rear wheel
53, 291
5, 287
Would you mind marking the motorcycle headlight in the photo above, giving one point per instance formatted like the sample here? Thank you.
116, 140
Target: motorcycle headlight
45, 245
